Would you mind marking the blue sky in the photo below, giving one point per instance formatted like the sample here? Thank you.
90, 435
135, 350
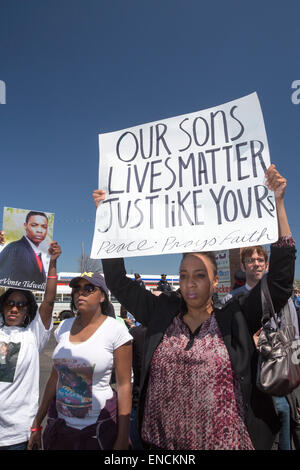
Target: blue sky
77, 68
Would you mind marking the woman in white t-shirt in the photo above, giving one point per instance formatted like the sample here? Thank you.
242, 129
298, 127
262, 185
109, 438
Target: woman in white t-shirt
88, 414
24, 332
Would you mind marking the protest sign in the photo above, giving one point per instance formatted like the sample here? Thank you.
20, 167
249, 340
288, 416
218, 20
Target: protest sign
188, 183
24, 260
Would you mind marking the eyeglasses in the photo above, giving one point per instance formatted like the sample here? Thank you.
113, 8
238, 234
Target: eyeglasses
253, 260
86, 289
19, 304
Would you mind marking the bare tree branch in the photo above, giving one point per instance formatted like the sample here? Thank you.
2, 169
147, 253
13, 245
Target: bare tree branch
86, 264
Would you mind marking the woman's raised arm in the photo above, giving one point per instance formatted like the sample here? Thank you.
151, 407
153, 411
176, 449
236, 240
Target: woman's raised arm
47, 305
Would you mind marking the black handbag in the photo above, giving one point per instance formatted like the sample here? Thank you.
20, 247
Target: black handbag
278, 372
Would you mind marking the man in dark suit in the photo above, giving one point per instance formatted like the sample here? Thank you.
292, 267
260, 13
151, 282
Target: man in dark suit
139, 280
163, 284
22, 260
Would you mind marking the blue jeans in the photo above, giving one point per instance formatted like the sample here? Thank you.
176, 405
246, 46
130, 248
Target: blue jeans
20, 446
134, 433
283, 409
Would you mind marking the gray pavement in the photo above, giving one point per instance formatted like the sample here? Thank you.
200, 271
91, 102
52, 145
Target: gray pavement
46, 362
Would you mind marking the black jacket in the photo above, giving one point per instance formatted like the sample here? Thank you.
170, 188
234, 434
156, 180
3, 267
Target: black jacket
238, 320
138, 333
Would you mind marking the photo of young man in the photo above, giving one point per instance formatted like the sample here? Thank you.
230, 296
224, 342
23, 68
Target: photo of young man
22, 262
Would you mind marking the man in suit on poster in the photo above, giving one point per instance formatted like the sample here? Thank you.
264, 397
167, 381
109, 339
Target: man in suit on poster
22, 260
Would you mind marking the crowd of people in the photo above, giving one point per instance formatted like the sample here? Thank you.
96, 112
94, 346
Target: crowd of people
185, 366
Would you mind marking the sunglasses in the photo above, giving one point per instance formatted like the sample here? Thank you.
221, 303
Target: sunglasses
86, 289
20, 304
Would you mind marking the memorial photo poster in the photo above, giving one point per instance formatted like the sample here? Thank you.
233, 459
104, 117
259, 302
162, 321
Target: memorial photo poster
193, 182
24, 259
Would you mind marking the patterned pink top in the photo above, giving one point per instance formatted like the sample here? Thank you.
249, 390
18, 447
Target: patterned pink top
193, 398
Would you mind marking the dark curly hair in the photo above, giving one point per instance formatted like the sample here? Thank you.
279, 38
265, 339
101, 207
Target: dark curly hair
32, 305
208, 254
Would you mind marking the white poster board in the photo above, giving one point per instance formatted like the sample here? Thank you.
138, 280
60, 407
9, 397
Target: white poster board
188, 183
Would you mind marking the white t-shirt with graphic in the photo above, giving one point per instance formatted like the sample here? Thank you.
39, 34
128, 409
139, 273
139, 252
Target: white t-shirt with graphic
19, 378
84, 371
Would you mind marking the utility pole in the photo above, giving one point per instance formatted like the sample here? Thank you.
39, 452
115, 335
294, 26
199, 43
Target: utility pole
82, 257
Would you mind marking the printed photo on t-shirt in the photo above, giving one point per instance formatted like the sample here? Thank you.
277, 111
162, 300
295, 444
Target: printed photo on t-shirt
74, 390
9, 353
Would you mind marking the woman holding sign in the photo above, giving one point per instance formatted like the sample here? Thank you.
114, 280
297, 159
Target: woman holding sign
24, 331
199, 373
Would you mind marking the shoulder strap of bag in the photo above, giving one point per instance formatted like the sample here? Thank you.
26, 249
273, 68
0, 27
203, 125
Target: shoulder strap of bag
287, 312
268, 310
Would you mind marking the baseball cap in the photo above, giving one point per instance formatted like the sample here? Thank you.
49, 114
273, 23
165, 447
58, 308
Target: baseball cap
94, 278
